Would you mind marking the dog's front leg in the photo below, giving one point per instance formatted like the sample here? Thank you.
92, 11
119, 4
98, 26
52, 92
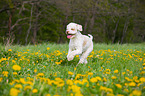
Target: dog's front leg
73, 53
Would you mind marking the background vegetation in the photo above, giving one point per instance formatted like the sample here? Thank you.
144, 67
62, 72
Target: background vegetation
36, 21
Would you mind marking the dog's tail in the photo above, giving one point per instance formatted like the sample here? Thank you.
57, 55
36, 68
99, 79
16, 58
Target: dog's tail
91, 37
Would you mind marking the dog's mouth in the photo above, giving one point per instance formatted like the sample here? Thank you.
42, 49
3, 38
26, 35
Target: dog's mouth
70, 36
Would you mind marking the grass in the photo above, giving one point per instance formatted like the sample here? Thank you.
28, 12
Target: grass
43, 70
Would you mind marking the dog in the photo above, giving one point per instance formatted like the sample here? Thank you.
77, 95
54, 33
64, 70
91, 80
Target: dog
79, 44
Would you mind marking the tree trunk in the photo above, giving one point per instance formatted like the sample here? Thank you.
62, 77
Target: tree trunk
124, 31
30, 25
114, 32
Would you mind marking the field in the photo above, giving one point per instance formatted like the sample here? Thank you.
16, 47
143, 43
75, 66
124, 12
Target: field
43, 70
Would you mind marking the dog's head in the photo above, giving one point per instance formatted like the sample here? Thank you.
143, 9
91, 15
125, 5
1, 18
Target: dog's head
72, 29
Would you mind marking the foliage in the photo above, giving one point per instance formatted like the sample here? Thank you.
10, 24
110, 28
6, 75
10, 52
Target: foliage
43, 70
36, 21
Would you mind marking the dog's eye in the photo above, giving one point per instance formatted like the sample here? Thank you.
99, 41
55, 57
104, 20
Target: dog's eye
72, 29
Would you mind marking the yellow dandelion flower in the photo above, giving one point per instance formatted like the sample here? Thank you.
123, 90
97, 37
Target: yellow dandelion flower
18, 86
35, 70
16, 67
27, 87
69, 82
1, 79
70, 73
132, 84
116, 71
90, 73
142, 79
40, 74
47, 95
136, 93
57, 63
15, 73
5, 73
34, 90
118, 85
14, 92
120, 95
48, 48
10, 50
113, 77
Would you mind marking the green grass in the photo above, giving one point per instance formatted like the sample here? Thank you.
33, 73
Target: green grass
112, 70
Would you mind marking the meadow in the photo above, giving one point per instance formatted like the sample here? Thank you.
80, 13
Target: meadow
43, 70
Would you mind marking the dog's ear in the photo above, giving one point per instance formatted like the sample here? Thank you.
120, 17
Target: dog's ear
79, 27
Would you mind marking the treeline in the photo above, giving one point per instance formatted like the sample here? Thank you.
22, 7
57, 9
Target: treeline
36, 21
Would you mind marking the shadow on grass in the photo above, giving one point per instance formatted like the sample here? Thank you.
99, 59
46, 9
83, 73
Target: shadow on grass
65, 62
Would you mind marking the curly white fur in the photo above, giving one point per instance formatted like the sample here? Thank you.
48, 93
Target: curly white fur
79, 44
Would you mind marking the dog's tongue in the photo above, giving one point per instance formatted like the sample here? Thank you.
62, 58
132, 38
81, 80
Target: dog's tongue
69, 36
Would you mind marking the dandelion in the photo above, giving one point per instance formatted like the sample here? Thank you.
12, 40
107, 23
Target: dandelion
90, 73
27, 87
69, 82
113, 77
57, 63
35, 70
136, 93
131, 84
40, 74
5, 73
48, 48
118, 85
1, 79
116, 71
10, 50
34, 90
47, 95
70, 73
16, 67
142, 79
14, 92
18, 86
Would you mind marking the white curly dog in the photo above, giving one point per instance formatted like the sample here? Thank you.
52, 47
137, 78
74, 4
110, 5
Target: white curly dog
79, 44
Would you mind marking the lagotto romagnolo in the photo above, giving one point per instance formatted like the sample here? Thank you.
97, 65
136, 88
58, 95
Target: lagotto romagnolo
79, 44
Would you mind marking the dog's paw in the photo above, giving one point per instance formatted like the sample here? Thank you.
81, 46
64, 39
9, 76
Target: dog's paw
70, 57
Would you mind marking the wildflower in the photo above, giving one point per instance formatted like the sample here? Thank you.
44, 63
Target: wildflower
22, 80
40, 74
116, 71
1, 79
57, 63
16, 67
10, 50
131, 84
123, 73
75, 89
126, 90
35, 70
15, 73
18, 86
70, 73
47, 95
5, 73
113, 77
118, 85
142, 79
69, 82
136, 93
120, 95
48, 48
110, 94
90, 73
104, 79
27, 87
14, 92
13, 61
34, 90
